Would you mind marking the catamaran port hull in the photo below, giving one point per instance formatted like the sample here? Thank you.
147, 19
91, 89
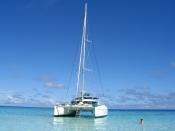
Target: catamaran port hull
62, 111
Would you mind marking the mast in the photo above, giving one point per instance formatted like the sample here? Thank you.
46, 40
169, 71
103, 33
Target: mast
81, 70
84, 52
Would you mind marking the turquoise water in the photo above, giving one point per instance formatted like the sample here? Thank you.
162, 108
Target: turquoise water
41, 119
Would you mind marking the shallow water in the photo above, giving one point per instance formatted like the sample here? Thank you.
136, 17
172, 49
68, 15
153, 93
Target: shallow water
41, 119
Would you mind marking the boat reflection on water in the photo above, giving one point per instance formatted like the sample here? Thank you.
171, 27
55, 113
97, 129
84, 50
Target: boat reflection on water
100, 123
58, 121
84, 123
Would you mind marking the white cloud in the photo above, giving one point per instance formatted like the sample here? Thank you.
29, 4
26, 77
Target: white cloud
52, 84
140, 98
133, 98
144, 98
17, 99
12, 99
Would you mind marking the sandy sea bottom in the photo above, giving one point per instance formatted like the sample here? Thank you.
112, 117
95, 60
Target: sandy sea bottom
41, 119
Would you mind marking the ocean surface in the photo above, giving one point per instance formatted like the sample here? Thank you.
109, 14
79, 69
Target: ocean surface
41, 119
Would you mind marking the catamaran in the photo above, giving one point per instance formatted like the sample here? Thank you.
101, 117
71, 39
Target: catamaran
83, 101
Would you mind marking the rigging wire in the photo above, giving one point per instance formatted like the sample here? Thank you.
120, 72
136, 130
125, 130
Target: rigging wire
72, 70
98, 70
88, 63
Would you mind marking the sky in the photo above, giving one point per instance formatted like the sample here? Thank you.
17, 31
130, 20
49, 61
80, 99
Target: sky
134, 43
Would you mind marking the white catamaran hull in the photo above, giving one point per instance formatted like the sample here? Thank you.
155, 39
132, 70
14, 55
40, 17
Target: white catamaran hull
63, 111
101, 111
74, 110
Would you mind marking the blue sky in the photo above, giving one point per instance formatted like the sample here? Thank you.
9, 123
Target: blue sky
134, 42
